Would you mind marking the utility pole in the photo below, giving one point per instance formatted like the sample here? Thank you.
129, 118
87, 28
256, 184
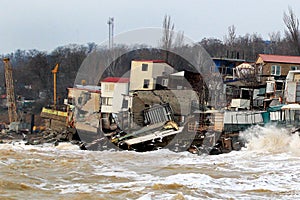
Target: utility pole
110, 23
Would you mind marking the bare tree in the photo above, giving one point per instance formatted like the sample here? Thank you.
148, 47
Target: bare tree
179, 40
168, 33
292, 32
275, 39
231, 38
214, 47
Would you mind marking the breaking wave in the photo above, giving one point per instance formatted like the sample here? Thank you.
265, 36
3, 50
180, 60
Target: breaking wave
59, 172
271, 139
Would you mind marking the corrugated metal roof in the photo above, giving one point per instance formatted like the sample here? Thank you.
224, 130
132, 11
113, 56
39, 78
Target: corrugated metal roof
116, 80
280, 58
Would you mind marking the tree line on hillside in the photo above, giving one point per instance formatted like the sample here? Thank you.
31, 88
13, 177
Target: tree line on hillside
32, 71
249, 46
32, 68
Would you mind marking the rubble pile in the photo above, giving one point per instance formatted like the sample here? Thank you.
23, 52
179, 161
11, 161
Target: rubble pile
46, 136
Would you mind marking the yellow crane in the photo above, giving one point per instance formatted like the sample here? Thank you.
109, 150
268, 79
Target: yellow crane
54, 72
54, 115
10, 92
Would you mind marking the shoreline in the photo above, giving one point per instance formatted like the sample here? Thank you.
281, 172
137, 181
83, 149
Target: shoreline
40, 138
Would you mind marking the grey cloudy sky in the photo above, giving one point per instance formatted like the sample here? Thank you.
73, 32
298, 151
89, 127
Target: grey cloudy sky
47, 24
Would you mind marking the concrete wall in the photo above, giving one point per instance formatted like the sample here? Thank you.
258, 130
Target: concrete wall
87, 100
87, 105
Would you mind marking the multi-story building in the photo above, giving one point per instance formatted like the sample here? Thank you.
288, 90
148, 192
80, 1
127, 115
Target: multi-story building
144, 73
276, 67
114, 91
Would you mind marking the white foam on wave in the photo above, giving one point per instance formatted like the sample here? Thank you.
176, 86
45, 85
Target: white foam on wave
153, 195
271, 139
200, 175
21, 146
67, 146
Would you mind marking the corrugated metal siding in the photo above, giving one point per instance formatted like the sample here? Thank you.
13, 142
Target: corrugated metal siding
158, 113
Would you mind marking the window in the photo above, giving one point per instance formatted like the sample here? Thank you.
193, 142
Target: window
79, 100
165, 82
295, 67
275, 70
144, 67
109, 87
279, 86
125, 104
107, 101
146, 83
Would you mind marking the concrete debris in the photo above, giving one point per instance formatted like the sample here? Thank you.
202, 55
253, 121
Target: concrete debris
46, 136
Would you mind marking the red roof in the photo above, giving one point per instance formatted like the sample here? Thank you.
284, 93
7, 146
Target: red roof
153, 61
89, 90
280, 58
116, 80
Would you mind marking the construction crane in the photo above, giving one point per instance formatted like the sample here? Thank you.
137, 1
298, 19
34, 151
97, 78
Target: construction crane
54, 72
56, 118
10, 92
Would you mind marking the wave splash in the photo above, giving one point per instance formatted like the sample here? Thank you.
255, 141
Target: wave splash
271, 139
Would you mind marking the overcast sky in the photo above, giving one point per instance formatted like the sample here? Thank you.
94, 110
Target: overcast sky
47, 24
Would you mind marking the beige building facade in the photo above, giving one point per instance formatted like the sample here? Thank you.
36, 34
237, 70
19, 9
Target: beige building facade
144, 73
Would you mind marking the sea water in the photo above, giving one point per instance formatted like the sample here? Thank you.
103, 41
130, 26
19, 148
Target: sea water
267, 168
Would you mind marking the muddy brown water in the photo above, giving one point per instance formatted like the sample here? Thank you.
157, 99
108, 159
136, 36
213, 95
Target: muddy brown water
259, 171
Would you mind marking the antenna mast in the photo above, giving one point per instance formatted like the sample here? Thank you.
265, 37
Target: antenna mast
110, 23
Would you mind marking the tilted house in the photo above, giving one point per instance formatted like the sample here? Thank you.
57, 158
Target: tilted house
86, 97
86, 100
144, 74
153, 84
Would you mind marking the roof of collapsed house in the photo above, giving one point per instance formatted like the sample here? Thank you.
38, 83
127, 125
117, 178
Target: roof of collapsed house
151, 61
90, 88
116, 80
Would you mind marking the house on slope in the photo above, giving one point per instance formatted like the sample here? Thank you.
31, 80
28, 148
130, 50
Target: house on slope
243, 88
273, 70
276, 67
86, 100
226, 65
114, 89
115, 102
144, 74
